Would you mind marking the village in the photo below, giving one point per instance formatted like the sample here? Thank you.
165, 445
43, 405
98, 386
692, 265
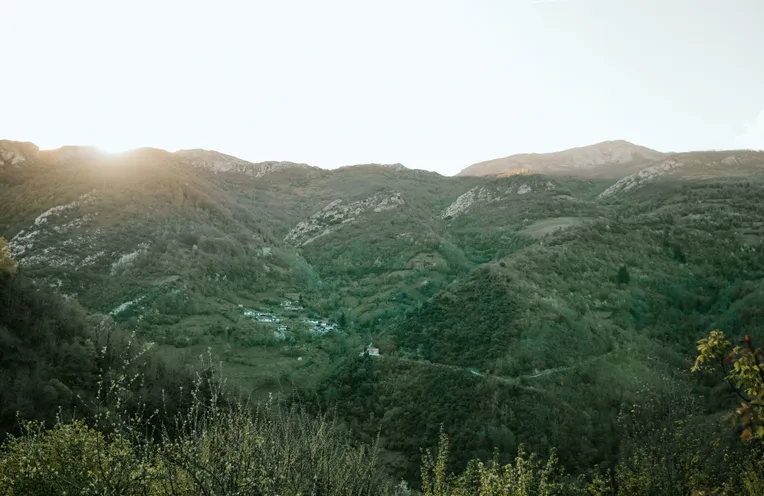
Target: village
286, 323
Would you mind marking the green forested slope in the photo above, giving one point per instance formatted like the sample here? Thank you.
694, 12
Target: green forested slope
556, 336
516, 310
52, 355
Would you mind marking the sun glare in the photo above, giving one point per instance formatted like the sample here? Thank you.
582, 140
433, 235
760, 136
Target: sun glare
113, 148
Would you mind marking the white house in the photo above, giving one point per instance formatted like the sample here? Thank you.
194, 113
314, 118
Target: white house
371, 351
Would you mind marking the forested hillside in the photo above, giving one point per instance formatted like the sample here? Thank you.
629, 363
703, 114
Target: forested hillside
545, 347
558, 313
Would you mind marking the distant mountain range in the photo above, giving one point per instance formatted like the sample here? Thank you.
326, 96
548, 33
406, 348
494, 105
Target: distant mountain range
614, 160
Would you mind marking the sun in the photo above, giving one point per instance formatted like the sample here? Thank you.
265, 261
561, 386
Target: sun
115, 143
113, 148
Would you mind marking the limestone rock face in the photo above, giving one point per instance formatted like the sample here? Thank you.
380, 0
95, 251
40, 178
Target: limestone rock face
338, 213
490, 194
695, 166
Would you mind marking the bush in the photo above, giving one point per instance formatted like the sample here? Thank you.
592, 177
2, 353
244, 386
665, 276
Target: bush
527, 476
219, 444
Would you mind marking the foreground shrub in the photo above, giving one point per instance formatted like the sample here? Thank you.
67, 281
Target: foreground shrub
527, 476
217, 445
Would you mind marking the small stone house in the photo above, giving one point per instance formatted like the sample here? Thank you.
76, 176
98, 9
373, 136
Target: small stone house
371, 351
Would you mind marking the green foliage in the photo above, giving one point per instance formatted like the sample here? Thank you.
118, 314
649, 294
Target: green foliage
72, 458
743, 369
216, 445
623, 276
672, 460
232, 451
434, 331
527, 475
752, 476
663, 461
58, 353
554, 319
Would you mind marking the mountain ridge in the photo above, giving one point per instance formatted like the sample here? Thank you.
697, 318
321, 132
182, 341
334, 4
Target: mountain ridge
604, 159
613, 160
17, 153
692, 165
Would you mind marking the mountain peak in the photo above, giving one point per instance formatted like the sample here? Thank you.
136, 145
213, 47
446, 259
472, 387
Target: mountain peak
605, 159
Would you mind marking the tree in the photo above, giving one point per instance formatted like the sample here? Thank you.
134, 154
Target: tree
743, 369
678, 254
7, 263
623, 275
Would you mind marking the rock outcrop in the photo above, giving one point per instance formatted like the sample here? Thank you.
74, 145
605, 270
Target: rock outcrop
466, 200
338, 213
692, 165
487, 194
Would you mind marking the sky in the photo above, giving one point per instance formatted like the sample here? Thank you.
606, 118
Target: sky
432, 84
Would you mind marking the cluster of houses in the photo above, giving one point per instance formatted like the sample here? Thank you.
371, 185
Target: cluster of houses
320, 327
261, 316
314, 326
290, 306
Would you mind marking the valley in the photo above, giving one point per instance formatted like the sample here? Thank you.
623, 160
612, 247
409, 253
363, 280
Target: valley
496, 298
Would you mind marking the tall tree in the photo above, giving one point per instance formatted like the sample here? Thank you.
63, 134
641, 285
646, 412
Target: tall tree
343, 321
623, 276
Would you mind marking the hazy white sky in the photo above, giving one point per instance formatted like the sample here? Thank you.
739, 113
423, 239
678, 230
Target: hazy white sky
434, 84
